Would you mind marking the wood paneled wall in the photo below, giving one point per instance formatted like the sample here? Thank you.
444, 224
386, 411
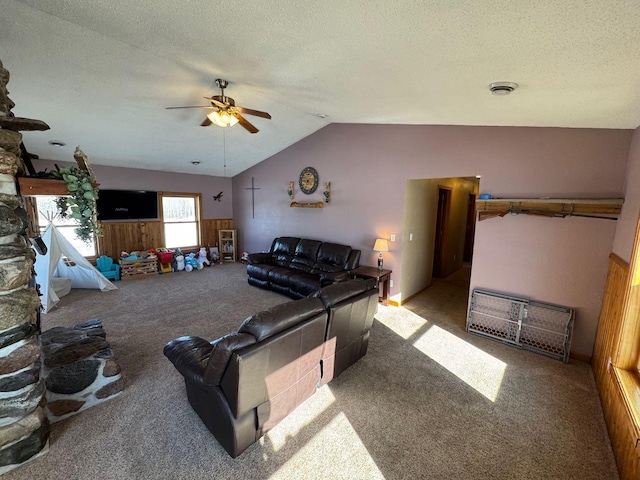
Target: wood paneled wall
608, 352
209, 229
143, 235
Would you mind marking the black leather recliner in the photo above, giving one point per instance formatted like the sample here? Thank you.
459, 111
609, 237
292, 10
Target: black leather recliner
241, 385
299, 267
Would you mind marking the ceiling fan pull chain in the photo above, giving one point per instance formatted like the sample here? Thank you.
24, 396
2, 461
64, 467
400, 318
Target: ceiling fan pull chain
224, 150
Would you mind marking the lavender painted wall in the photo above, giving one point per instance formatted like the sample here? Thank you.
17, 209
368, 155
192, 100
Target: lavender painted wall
626, 228
117, 178
368, 166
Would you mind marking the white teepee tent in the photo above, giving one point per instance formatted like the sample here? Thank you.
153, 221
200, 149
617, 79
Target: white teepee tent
82, 274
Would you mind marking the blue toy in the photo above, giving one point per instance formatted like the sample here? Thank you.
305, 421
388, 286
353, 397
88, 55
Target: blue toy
190, 262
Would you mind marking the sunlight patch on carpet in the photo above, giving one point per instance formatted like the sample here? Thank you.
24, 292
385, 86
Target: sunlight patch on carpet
336, 450
478, 369
400, 320
292, 424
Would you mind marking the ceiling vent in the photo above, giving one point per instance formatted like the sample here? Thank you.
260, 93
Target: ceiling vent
502, 88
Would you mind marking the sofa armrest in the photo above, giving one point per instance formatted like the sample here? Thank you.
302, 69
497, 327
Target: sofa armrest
329, 278
255, 258
190, 356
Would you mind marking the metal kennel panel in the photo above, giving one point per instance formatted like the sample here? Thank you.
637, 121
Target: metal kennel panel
495, 315
547, 329
539, 327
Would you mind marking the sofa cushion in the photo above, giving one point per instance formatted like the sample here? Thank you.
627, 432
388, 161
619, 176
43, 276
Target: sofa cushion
281, 317
338, 292
283, 250
304, 283
260, 271
280, 276
332, 257
222, 350
305, 255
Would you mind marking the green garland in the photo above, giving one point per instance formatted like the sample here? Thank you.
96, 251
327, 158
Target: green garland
81, 202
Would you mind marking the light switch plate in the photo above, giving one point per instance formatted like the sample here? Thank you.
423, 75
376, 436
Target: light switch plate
393, 237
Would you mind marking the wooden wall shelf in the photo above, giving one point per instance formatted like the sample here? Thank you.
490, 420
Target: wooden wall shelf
551, 207
307, 205
30, 186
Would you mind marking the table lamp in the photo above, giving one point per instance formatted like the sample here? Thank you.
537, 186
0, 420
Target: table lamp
381, 245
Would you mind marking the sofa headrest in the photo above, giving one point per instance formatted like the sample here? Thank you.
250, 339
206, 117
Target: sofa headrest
222, 350
284, 245
338, 292
332, 257
281, 317
306, 253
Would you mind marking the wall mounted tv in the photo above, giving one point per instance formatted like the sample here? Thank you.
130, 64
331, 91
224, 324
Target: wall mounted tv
127, 204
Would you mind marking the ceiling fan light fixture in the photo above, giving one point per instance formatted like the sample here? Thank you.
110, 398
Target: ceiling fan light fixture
222, 118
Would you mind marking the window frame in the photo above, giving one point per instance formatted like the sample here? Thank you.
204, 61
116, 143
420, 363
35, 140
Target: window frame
198, 221
38, 227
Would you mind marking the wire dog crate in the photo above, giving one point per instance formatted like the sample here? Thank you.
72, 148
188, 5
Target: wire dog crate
539, 327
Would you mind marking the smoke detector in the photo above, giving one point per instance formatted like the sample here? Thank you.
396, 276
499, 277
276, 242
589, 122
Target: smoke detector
502, 88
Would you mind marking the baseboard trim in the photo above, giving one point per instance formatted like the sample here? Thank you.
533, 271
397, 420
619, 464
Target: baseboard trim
580, 356
395, 303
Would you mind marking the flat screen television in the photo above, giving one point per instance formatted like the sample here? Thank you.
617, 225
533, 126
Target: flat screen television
127, 204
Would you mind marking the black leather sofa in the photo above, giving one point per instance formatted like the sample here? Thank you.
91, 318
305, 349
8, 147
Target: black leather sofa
298, 267
241, 385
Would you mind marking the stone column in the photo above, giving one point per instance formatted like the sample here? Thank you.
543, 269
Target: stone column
24, 430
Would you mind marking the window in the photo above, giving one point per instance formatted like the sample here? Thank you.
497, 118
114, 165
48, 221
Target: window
181, 218
47, 212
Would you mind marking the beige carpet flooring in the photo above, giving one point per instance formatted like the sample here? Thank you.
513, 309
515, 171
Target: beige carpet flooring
428, 401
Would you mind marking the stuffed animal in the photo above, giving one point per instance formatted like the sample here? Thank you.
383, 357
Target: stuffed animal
202, 258
179, 263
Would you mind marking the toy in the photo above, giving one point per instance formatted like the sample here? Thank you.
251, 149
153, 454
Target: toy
165, 257
214, 254
191, 263
244, 258
202, 258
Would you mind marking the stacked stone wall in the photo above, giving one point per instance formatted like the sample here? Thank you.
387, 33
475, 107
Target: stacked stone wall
24, 429
79, 369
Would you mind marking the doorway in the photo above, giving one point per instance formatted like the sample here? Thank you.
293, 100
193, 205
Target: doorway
470, 229
444, 204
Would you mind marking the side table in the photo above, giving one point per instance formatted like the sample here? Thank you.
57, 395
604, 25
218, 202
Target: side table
379, 276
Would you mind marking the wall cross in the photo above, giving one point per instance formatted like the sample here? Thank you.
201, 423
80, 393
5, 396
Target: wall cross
253, 189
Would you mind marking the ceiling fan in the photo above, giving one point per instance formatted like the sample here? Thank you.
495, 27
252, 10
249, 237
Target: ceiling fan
225, 111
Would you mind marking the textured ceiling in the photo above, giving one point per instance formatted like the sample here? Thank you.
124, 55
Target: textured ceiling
101, 72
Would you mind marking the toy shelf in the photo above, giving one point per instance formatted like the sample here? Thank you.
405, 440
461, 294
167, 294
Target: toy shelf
228, 245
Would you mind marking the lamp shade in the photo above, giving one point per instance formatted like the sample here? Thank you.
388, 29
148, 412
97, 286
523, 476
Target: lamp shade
222, 118
381, 245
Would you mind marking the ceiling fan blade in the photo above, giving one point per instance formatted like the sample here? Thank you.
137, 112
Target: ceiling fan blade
194, 106
257, 113
243, 121
216, 102
206, 122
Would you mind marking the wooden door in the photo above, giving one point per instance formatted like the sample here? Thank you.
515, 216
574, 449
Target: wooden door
470, 229
444, 200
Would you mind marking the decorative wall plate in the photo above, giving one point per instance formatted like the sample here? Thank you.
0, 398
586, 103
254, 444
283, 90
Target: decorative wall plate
308, 180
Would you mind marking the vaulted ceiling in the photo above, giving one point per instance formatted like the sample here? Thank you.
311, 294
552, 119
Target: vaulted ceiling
101, 73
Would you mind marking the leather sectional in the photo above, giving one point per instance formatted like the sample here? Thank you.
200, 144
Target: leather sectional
298, 267
241, 385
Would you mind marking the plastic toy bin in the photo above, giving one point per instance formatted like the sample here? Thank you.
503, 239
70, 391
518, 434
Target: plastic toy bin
165, 257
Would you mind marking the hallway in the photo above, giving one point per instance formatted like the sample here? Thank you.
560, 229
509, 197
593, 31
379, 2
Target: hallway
510, 409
